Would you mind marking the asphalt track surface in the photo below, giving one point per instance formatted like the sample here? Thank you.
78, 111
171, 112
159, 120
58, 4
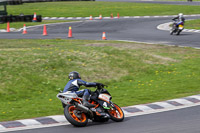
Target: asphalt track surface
178, 121
131, 29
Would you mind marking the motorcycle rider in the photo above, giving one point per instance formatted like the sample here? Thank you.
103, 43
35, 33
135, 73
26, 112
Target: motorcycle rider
179, 18
74, 84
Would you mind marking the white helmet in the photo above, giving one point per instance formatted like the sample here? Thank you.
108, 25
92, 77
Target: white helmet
180, 15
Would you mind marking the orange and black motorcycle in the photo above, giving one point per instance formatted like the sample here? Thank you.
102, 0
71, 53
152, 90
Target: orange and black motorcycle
104, 109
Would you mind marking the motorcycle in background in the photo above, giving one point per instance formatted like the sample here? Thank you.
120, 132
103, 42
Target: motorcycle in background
177, 27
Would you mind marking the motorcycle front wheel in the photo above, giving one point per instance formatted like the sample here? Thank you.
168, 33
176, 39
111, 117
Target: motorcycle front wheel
75, 116
116, 114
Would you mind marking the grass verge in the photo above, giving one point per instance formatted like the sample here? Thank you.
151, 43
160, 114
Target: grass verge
32, 72
84, 9
193, 24
18, 25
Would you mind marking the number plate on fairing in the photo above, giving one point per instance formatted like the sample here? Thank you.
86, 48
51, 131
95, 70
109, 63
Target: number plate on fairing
104, 97
180, 27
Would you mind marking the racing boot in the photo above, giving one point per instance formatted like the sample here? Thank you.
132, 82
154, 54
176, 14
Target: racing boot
86, 103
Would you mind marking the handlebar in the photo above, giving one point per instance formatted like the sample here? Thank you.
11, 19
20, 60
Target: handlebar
101, 86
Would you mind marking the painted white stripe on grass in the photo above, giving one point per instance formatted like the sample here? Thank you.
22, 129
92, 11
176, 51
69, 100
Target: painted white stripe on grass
143, 107
182, 101
29, 122
58, 118
164, 104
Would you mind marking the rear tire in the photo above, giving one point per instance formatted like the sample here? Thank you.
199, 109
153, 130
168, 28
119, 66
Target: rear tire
116, 115
71, 116
178, 32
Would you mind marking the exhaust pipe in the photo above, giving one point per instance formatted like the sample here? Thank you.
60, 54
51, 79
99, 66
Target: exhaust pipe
83, 108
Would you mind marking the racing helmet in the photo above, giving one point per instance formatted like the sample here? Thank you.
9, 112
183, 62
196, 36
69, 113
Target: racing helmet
180, 15
74, 75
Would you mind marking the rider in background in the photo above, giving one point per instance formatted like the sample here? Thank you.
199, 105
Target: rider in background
74, 84
179, 18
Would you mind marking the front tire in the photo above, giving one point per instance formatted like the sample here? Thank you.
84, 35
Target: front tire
116, 114
75, 117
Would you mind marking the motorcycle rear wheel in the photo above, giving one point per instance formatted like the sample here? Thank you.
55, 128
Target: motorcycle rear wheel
71, 115
178, 32
116, 115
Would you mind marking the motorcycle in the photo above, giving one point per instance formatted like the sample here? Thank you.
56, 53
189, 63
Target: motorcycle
104, 109
177, 27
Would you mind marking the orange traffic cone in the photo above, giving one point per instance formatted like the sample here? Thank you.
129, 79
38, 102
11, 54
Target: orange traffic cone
104, 36
100, 16
91, 17
34, 18
24, 29
45, 31
117, 15
70, 32
111, 15
8, 26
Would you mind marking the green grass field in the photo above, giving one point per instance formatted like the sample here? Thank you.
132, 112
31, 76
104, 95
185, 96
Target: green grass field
193, 24
32, 72
84, 9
